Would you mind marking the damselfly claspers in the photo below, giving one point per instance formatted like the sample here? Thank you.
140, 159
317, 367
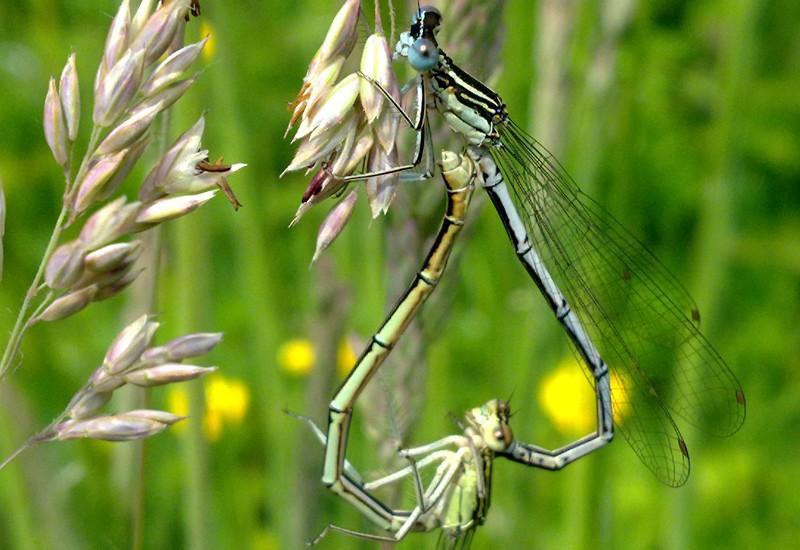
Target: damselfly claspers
621, 308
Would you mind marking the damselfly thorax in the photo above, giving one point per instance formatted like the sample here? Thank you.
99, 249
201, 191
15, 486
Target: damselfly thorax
469, 107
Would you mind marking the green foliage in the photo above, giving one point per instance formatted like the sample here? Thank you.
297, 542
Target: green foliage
693, 146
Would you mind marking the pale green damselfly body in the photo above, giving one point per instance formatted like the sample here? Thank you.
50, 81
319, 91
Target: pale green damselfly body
621, 308
458, 174
456, 499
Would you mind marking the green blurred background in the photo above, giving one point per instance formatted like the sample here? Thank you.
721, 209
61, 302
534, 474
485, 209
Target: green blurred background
681, 117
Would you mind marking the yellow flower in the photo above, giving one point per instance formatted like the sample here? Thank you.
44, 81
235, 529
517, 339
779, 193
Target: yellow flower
211, 46
569, 401
621, 397
227, 401
212, 426
228, 397
297, 356
345, 358
178, 402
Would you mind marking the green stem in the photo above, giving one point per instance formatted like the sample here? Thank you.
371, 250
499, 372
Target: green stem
22, 323
15, 501
94, 141
10, 458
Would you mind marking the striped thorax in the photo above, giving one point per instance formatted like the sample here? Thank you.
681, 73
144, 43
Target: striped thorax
469, 107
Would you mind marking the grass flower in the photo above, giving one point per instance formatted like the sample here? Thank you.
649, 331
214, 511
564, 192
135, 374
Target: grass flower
70, 98
334, 223
131, 89
344, 124
327, 62
130, 359
55, 127
184, 169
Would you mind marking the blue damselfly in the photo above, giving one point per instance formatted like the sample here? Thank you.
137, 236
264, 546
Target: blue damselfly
620, 306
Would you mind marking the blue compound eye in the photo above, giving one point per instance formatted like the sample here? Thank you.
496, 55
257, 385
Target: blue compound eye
423, 55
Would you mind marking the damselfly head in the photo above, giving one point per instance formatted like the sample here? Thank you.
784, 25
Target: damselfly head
426, 22
491, 422
419, 43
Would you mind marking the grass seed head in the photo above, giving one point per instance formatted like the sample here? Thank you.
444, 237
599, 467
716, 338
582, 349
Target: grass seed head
118, 36
55, 127
117, 88
169, 373
129, 344
170, 208
65, 266
95, 182
67, 305
69, 90
113, 257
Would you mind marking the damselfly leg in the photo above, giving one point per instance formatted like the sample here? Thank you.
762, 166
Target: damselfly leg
423, 149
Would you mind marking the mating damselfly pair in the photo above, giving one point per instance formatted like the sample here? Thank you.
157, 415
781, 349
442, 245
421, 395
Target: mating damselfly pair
623, 311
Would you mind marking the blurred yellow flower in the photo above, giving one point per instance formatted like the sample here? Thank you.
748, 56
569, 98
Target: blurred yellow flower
569, 401
345, 358
212, 426
178, 403
211, 46
297, 356
227, 401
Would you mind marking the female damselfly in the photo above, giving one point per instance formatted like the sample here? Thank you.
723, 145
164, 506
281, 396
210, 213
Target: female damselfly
620, 306
457, 497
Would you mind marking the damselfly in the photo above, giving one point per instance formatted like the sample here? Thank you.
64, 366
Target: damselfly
457, 497
618, 303
464, 473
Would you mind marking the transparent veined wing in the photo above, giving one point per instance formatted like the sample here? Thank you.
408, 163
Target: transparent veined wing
639, 316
